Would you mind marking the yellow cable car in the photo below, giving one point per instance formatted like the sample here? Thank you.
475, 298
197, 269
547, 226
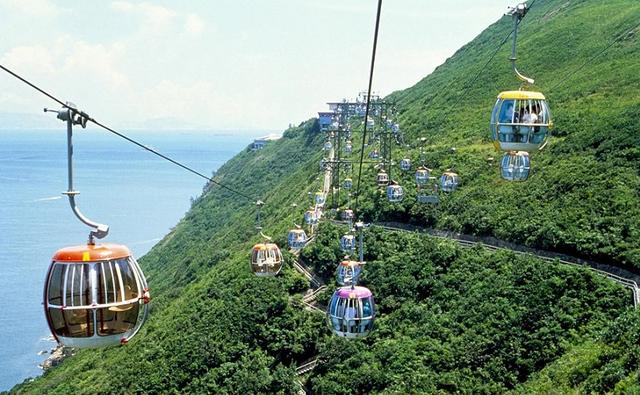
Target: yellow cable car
520, 121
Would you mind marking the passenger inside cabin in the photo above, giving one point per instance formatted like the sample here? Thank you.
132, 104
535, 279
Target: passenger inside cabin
350, 315
539, 132
366, 308
507, 114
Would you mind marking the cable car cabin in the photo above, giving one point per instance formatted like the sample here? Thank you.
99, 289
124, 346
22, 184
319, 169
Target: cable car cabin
297, 238
395, 193
351, 312
311, 217
348, 147
266, 259
449, 181
370, 123
422, 175
515, 166
348, 243
327, 146
323, 164
375, 154
347, 214
405, 164
424, 196
382, 178
95, 296
319, 198
347, 183
348, 272
520, 121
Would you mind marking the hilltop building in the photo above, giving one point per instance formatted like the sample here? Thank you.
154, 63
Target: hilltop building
260, 142
325, 118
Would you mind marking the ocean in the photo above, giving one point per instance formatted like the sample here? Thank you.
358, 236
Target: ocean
139, 195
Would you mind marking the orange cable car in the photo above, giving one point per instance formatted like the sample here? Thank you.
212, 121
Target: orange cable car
95, 295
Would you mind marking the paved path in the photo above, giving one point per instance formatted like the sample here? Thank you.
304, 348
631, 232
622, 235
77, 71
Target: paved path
623, 277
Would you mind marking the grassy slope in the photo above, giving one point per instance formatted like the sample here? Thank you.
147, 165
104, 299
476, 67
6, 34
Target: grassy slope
202, 335
583, 194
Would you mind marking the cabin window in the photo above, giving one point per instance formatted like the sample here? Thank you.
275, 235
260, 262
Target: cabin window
71, 322
117, 319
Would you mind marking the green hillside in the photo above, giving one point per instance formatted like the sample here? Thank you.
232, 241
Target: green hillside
582, 196
449, 319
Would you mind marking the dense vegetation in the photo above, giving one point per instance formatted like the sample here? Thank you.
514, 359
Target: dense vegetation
450, 320
458, 320
607, 363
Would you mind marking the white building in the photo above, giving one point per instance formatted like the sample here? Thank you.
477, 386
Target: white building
260, 142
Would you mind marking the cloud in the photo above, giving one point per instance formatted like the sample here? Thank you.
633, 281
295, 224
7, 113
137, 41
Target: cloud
29, 59
181, 100
155, 18
98, 61
73, 70
194, 25
79, 58
339, 6
37, 8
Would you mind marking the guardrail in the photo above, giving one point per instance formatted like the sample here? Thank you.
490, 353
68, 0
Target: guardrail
306, 367
312, 307
301, 268
626, 282
311, 297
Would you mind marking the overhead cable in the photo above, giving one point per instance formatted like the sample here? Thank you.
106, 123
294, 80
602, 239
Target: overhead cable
125, 137
366, 112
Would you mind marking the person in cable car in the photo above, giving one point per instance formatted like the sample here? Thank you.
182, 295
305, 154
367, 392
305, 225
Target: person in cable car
520, 121
351, 312
540, 117
507, 115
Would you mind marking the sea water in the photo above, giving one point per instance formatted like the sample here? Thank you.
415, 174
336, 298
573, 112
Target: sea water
139, 195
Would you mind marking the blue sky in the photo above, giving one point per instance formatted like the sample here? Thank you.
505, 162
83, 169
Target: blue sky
225, 64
